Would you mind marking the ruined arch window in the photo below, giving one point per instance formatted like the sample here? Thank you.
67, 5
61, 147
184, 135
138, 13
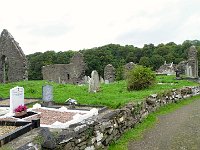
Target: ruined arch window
5, 67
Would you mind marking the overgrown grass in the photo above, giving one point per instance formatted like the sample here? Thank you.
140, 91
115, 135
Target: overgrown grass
137, 132
112, 95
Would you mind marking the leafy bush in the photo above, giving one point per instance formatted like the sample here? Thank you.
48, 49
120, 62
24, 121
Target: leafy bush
140, 78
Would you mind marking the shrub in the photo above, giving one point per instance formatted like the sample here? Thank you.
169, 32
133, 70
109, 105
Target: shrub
140, 78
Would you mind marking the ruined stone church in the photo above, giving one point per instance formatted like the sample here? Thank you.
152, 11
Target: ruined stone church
73, 72
13, 62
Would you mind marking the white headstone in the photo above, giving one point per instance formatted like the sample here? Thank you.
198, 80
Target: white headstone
106, 81
85, 79
88, 78
91, 85
47, 93
94, 83
16, 98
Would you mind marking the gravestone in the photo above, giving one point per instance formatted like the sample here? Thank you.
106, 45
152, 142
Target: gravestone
16, 98
85, 80
178, 72
91, 85
109, 73
47, 94
129, 66
101, 80
106, 81
94, 83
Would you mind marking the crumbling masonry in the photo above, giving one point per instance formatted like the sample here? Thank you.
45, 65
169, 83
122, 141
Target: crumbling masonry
73, 72
13, 62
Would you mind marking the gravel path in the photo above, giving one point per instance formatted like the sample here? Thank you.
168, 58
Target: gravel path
7, 129
179, 130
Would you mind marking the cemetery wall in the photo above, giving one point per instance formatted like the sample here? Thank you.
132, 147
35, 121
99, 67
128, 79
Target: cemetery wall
99, 132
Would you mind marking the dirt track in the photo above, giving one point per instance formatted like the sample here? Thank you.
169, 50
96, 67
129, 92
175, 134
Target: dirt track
179, 130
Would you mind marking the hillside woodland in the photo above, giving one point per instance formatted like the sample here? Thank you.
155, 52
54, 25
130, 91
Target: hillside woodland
98, 57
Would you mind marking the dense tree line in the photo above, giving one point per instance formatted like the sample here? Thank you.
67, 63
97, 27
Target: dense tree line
97, 58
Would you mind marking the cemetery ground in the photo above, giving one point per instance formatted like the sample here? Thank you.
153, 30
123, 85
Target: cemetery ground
112, 95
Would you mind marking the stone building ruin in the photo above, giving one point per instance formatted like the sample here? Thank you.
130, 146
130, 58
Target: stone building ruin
72, 73
13, 62
192, 65
189, 67
168, 69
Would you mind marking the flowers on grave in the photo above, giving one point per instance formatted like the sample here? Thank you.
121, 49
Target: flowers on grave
20, 108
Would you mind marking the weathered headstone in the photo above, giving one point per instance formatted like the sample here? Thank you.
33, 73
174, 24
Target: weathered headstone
94, 82
85, 79
129, 66
16, 98
91, 85
101, 80
178, 77
47, 93
109, 73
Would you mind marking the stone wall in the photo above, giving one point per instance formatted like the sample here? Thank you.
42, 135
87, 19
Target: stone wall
73, 72
189, 67
99, 132
13, 62
192, 62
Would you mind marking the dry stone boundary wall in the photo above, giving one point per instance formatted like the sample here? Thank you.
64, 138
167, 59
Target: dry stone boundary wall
100, 131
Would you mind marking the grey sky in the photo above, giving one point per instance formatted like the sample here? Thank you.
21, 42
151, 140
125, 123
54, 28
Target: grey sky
60, 25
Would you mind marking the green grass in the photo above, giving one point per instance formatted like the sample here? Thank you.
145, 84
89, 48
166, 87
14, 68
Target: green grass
137, 132
112, 95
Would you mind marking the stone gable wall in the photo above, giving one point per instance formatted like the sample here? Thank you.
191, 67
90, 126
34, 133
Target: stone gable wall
16, 59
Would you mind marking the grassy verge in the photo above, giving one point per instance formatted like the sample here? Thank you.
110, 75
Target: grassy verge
112, 95
150, 121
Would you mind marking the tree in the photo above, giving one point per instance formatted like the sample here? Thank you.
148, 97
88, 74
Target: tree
145, 61
156, 61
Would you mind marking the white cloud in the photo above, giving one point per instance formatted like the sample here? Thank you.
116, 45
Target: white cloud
40, 25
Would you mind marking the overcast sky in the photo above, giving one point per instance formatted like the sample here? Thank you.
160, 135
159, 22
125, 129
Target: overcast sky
61, 25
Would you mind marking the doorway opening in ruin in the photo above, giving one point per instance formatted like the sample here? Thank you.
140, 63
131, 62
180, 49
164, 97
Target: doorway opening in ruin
68, 77
5, 67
